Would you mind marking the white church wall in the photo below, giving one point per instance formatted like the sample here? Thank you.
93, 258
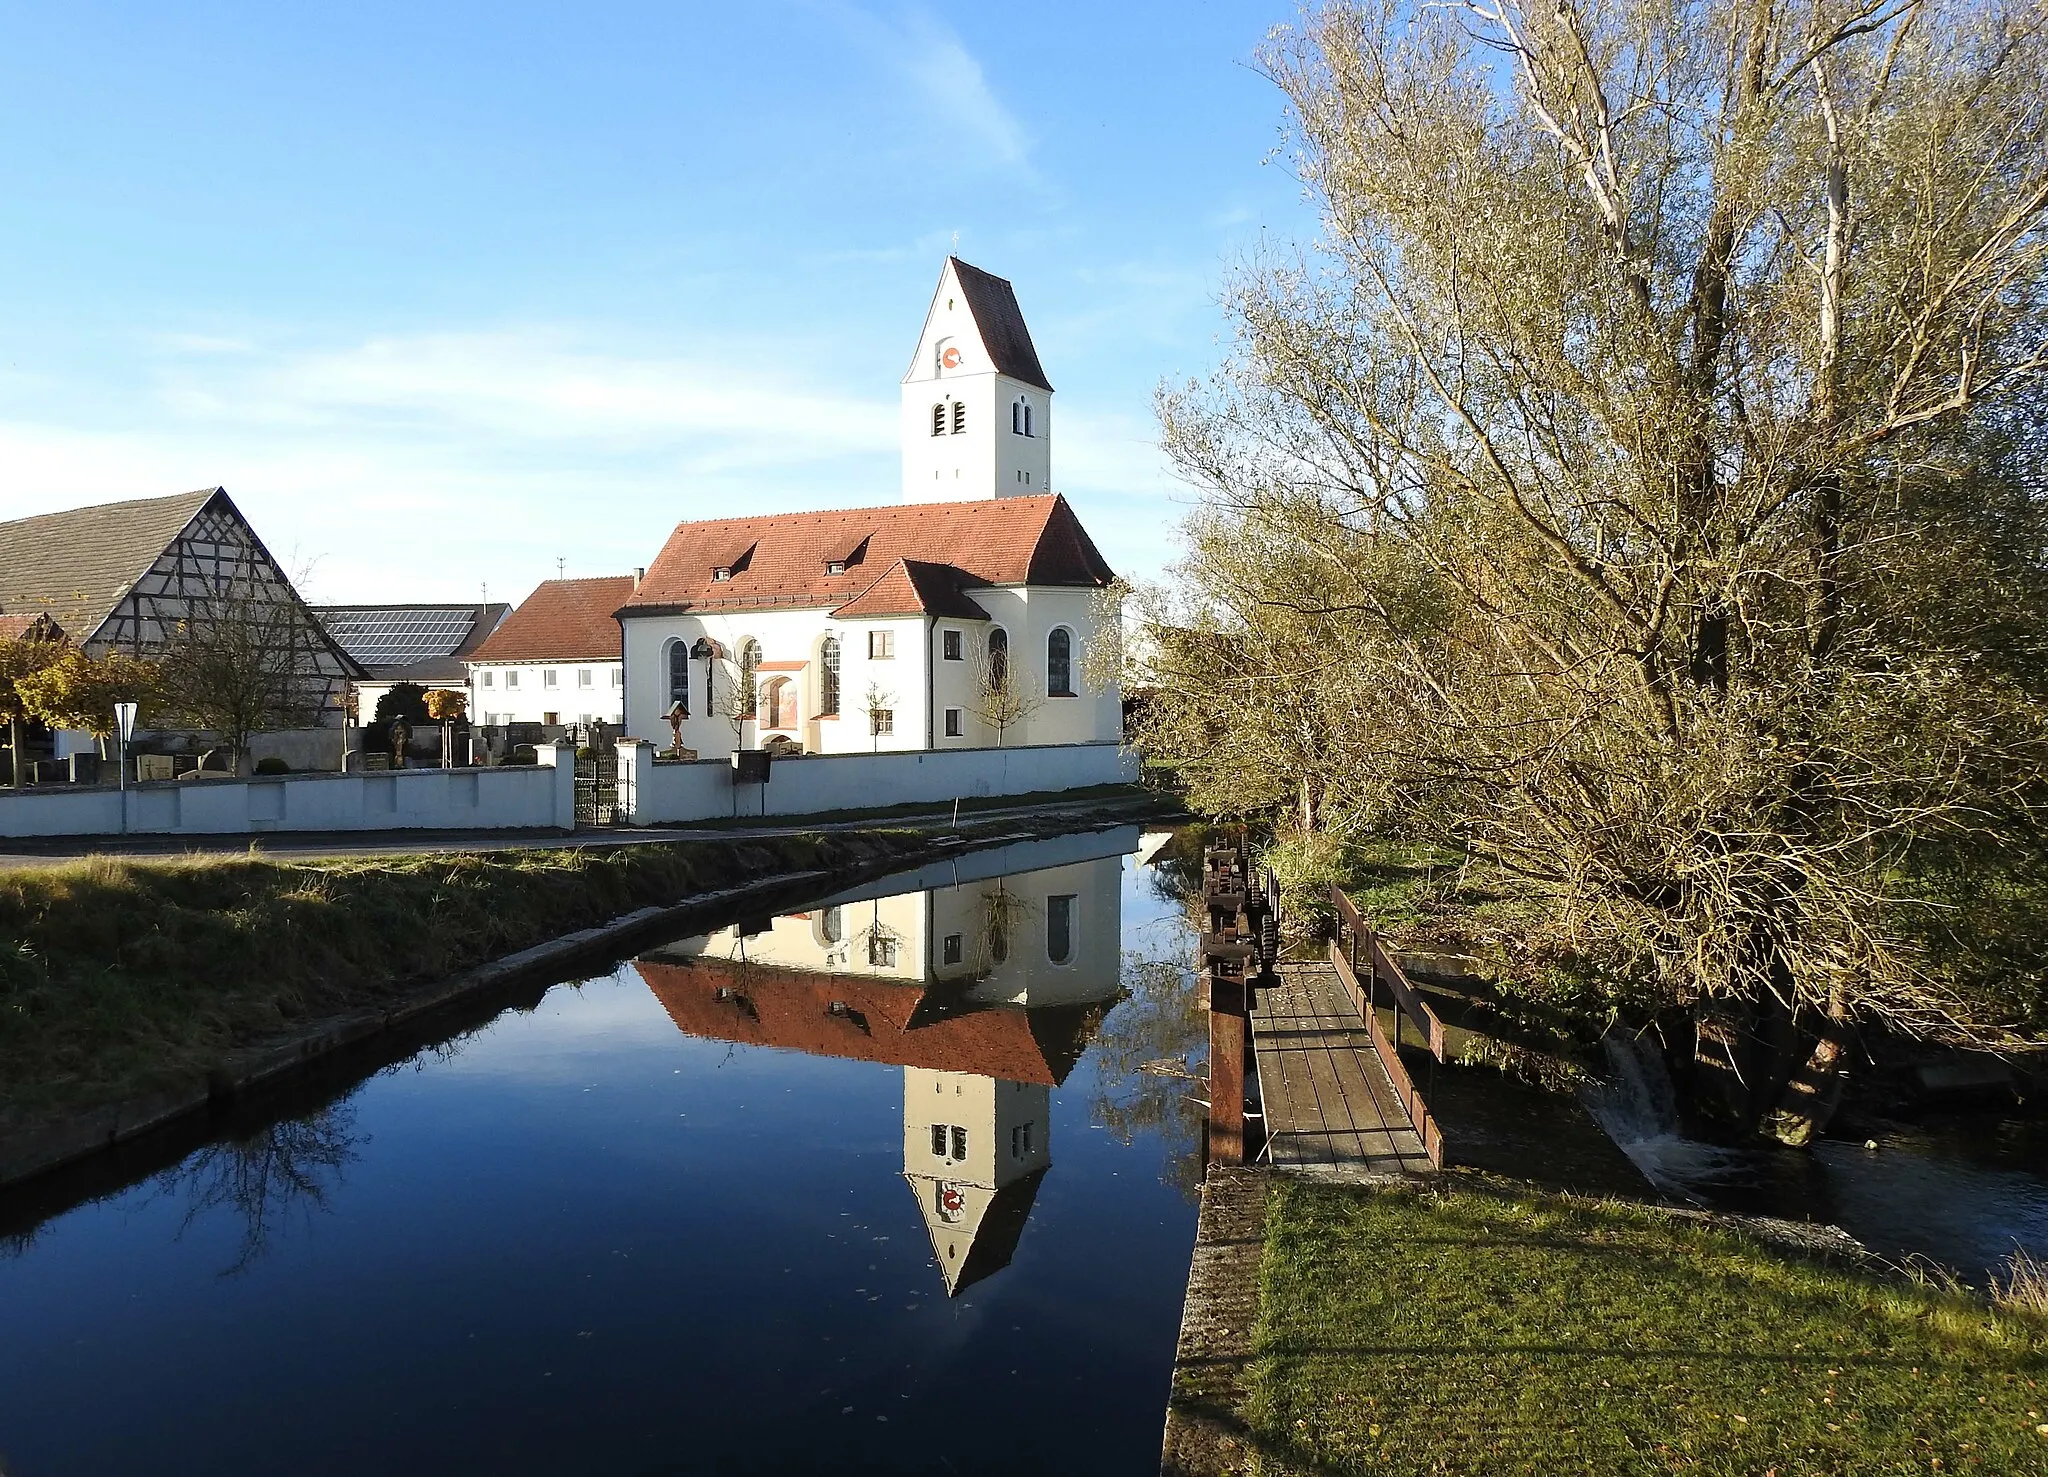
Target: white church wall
785, 636
918, 666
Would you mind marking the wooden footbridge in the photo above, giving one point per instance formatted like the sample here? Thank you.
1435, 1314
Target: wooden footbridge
1335, 1093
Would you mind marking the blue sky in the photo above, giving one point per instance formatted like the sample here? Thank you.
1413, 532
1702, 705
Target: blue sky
443, 293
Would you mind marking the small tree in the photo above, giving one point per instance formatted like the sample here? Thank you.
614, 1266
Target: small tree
1000, 698
20, 660
407, 700
879, 703
80, 691
236, 666
445, 705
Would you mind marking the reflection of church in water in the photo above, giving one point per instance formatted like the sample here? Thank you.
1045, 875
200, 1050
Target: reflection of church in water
984, 990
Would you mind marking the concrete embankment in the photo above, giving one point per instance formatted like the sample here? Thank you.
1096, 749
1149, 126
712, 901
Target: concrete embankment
1205, 1434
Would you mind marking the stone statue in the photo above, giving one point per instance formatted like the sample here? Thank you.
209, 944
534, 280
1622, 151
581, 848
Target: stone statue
675, 716
401, 738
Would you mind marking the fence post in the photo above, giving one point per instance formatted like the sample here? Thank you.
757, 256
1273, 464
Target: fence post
1226, 874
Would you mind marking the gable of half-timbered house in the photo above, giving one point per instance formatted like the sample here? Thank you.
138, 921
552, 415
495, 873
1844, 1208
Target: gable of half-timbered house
137, 576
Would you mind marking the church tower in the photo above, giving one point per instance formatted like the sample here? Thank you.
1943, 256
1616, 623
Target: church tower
977, 411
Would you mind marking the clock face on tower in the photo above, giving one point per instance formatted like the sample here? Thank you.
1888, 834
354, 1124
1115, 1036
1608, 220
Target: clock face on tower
950, 359
946, 355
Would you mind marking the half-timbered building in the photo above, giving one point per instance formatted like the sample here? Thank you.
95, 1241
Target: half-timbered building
142, 576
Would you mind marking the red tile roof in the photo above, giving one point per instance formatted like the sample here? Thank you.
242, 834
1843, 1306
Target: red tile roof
780, 561
38, 627
791, 1008
913, 587
562, 620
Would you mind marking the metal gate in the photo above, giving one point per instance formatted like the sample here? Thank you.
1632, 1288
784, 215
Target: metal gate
597, 781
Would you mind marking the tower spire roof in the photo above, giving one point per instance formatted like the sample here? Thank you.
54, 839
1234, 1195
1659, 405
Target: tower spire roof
993, 302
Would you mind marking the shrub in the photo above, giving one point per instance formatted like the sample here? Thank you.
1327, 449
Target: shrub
523, 754
271, 764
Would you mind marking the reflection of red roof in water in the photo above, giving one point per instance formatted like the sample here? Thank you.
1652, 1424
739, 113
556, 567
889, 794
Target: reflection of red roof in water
791, 1008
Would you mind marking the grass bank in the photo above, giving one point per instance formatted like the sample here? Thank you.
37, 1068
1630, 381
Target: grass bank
118, 976
1461, 1331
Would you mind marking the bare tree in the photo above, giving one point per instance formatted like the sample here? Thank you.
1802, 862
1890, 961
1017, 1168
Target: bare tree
292, 1165
879, 704
1000, 698
1638, 490
238, 664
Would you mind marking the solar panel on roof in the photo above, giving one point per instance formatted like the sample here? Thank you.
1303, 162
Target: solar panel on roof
392, 636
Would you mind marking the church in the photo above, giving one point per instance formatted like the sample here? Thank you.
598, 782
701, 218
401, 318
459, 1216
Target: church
960, 618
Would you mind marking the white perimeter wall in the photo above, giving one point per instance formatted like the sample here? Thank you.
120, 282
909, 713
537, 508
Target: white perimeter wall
812, 784
523, 797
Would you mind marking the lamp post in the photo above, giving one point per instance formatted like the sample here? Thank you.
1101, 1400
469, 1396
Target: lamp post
124, 720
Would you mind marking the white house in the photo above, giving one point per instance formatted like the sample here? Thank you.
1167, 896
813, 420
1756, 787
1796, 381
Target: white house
958, 620
554, 660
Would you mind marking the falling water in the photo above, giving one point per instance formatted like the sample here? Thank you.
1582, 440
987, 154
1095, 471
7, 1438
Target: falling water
1637, 1107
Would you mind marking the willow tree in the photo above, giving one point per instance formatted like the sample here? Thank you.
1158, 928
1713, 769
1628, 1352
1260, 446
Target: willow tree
1632, 487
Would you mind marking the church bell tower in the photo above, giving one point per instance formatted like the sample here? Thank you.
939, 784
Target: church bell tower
977, 409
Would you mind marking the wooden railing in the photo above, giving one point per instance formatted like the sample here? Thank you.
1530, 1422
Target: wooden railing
1368, 972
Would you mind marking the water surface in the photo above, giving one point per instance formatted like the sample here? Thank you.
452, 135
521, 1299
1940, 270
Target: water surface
707, 1213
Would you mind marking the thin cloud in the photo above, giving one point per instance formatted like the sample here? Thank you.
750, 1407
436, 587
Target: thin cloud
947, 81
535, 386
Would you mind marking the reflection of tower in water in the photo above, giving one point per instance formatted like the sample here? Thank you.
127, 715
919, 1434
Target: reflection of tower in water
985, 993
974, 1151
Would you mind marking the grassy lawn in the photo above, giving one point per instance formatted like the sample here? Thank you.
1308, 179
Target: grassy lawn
118, 976
1468, 1332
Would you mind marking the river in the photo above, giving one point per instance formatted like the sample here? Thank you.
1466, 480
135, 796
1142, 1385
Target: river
878, 1185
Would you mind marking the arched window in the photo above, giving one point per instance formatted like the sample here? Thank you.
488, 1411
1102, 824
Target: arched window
828, 678
999, 658
1016, 417
1059, 927
1059, 663
959, 416
679, 676
1027, 419
939, 419
780, 704
750, 663
834, 925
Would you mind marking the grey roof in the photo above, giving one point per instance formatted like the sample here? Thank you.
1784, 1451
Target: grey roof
993, 302
412, 642
78, 564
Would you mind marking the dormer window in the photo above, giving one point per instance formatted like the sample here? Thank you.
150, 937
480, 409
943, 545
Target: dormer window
835, 566
722, 573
